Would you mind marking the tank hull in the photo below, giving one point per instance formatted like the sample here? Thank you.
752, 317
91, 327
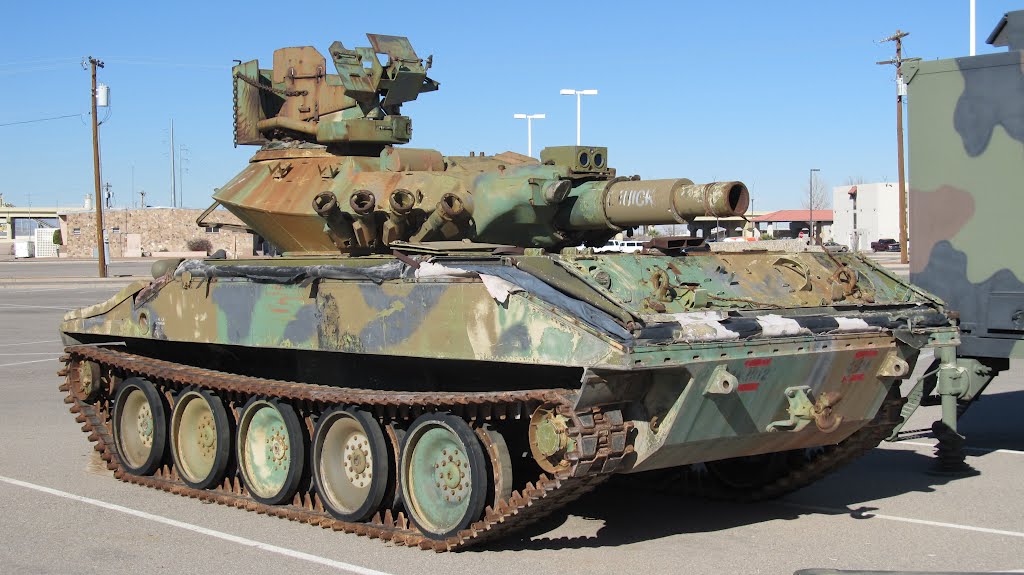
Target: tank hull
456, 328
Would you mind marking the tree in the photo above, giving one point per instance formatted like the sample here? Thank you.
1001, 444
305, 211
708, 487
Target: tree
818, 198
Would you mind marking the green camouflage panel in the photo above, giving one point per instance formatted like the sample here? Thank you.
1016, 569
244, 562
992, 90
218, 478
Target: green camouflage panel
966, 136
703, 347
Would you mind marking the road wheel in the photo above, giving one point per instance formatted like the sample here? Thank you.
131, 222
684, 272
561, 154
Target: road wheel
140, 426
350, 463
499, 464
271, 450
200, 438
443, 475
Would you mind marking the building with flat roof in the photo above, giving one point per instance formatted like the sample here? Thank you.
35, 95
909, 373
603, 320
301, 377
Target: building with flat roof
865, 213
20, 223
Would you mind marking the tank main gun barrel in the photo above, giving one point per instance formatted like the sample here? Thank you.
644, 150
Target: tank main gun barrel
622, 203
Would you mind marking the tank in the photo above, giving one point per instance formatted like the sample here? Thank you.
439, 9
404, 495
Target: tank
966, 136
440, 357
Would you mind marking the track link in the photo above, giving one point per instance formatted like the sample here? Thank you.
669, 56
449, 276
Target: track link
534, 501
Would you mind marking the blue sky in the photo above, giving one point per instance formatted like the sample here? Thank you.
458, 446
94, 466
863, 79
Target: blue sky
754, 91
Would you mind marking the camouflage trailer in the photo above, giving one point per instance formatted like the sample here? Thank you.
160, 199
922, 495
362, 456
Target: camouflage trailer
966, 135
440, 357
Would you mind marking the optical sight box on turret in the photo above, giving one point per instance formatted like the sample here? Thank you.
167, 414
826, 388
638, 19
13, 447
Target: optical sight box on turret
590, 159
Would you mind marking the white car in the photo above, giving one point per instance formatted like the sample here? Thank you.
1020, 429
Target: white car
625, 246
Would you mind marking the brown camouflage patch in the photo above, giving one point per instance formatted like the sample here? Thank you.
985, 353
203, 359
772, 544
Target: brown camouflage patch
937, 215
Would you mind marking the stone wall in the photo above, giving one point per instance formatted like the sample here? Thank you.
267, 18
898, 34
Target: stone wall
787, 245
160, 230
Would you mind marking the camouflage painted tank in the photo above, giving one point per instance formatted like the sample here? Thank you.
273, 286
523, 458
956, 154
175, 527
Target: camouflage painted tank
966, 120
439, 357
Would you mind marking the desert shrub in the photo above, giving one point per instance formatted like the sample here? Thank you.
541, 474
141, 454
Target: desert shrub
199, 245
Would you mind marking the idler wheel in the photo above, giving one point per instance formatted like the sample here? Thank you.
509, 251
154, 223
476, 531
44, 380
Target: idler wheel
87, 380
140, 426
271, 450
350, 463
200, 438
443, 475
549, 439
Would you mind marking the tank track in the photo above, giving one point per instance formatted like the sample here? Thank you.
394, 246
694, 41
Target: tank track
534, 501
802, 467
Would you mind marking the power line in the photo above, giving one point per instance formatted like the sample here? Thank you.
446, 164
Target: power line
35, 69
49, 61
168, 64
7, 69
41, 120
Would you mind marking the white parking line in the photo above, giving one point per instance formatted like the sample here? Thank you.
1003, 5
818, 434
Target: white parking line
30, 353
35, 306
966, 448
197, 529
53, 358
29, 342
872, 515
52, 287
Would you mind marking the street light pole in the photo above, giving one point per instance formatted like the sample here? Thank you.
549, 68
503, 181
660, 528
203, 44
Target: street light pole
810, 202
577, 93
529, 129
102, 259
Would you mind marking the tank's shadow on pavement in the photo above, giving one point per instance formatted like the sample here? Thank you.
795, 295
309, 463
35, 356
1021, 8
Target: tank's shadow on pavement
628, 515
994, 422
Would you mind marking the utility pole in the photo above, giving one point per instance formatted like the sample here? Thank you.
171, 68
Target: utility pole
174, 199
142, 199
901, 89
102, 258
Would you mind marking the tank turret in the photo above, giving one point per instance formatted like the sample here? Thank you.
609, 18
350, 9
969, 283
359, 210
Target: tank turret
330, 178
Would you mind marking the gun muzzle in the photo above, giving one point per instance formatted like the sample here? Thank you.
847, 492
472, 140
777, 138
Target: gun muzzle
631, 203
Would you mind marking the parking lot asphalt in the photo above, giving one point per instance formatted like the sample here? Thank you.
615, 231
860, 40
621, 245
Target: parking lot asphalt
35, 270
61, 511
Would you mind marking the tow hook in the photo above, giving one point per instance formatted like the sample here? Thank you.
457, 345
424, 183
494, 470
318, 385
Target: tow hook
803, 409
